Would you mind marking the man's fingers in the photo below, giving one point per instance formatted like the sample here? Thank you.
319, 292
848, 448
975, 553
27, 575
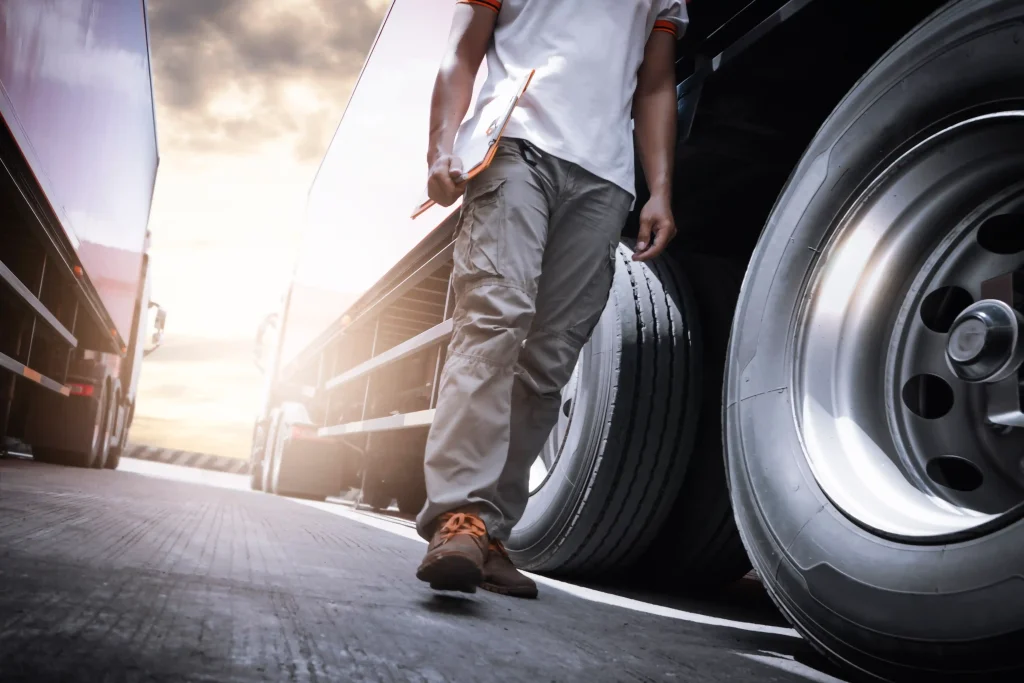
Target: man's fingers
662, 236
643, 237
455, 167
442, 189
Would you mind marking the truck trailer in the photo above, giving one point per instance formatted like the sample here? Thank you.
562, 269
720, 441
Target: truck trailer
820, 379
79, 157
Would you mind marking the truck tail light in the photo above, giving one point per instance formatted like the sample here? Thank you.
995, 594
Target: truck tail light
304, 432
82, 389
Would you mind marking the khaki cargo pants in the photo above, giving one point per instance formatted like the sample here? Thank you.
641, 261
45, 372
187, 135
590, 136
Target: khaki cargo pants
534, 260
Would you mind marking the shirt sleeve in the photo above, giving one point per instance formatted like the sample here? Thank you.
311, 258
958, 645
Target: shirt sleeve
489, 4
671, 17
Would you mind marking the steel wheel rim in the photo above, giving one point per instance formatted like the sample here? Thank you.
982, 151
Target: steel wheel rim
858, 336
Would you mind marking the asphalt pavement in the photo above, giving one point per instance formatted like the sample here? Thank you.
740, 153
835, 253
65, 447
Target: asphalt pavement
160, 573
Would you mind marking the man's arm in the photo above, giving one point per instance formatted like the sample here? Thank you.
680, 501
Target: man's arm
472, 27
654, 117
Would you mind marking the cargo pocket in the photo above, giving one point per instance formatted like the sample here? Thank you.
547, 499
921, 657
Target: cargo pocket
480, 242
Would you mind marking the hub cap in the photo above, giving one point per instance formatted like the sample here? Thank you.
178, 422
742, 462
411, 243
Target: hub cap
984, 342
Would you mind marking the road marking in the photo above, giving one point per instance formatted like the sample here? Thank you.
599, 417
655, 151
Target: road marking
578, 591
787, 663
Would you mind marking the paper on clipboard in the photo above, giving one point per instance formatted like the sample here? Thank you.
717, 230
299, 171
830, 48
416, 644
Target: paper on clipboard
477, 151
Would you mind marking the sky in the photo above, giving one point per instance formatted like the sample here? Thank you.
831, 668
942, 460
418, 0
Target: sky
248, 93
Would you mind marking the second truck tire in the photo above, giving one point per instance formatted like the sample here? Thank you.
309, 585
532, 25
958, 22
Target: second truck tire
630, 422
699, 546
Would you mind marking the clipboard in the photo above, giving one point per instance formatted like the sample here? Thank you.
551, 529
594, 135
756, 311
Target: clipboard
477, 152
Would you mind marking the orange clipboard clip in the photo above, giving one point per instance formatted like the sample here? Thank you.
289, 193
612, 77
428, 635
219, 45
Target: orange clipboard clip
494, 133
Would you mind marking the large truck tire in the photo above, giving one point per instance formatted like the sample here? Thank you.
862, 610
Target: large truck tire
878, 502
699, 547
261, 435
114, 450
617, 457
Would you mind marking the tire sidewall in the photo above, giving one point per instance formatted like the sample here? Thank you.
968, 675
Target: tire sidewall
100, 442
113, 459
891, 599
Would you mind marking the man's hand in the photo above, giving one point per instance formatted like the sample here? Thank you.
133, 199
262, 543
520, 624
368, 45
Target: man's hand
442, 184
657, 228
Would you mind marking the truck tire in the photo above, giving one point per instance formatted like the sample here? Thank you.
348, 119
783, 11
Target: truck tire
270, 450
260, 435
114, 451
375, 497
616, 459
880, 508
411, 500
699, 547
106, 424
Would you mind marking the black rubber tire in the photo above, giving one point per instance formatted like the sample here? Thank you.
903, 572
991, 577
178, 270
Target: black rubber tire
257, 453
886, 608
411, 499
699, 546
623, 463
269, 452
376, 498
103, 449
113, 460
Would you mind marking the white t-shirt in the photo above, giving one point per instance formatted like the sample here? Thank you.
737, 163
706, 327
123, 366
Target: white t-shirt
587, 54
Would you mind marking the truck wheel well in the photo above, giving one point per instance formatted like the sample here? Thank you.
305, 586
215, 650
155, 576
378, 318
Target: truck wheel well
757, 115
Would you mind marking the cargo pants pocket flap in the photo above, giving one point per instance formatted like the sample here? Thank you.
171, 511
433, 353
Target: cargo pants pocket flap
480, 243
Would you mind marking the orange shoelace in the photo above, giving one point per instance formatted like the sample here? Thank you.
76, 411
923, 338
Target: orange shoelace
462, 523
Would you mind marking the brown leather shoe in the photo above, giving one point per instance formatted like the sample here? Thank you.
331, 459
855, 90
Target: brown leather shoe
501, 576
455, 556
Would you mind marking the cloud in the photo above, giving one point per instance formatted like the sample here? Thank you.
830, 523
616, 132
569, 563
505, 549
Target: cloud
234, 75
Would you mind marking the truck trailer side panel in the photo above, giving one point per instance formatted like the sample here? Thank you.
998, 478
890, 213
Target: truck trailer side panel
76, 92
357, 223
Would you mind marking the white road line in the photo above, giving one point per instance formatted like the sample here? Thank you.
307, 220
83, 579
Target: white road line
787, 663
578, 591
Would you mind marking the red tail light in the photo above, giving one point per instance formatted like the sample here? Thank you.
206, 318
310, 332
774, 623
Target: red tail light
304, 432
82, 389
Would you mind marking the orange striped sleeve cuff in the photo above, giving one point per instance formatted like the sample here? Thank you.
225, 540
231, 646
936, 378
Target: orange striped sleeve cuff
489, 4
662, 25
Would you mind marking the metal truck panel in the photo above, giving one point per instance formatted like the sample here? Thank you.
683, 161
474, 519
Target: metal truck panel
76, 91
357, 223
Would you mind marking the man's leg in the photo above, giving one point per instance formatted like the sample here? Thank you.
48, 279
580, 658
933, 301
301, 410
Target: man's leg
498, 257
576, 279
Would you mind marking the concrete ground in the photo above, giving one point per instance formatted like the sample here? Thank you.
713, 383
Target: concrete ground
161, 573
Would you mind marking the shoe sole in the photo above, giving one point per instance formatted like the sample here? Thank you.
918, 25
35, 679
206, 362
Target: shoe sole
525, 593
451, 573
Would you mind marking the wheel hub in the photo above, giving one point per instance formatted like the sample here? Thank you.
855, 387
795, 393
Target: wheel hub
913, 300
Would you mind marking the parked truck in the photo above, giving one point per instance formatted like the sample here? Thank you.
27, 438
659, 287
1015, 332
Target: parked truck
820, 379
78, 162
